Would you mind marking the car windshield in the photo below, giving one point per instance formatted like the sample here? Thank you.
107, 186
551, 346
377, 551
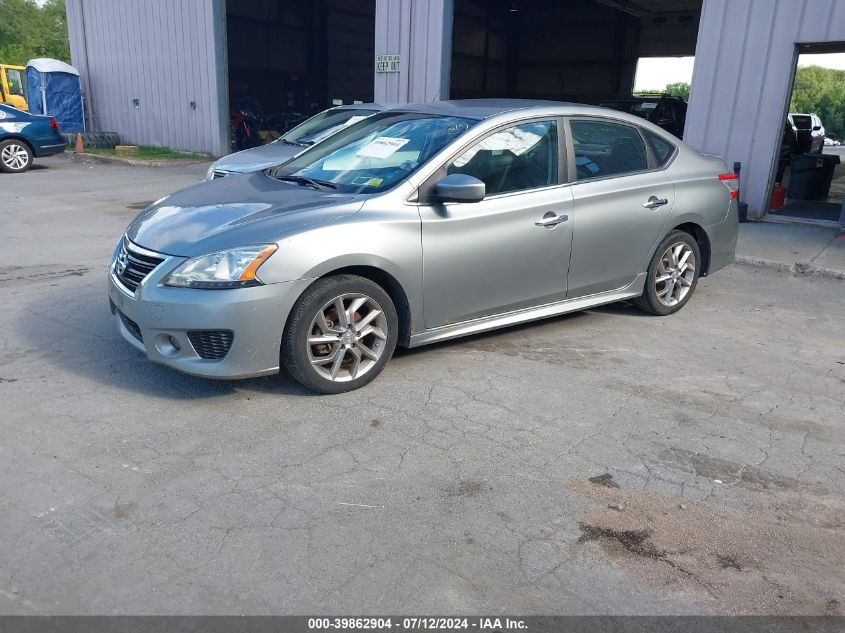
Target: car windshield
639, 108
15, 80
378, 153
324, 125
802, 121
11, 110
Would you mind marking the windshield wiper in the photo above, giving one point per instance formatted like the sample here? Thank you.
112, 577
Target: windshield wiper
308, 182
294, 143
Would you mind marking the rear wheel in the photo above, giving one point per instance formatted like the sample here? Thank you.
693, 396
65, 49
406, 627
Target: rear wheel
15, 156
672, 275
340, 334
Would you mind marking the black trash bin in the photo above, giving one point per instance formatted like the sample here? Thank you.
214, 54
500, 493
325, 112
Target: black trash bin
810, 176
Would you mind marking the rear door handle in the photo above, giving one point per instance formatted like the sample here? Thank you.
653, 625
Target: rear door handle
551, 220
653, 202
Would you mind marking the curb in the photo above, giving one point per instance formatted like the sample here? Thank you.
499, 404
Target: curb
133, 162
798, 268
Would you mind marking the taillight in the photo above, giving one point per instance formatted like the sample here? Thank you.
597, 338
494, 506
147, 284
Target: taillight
727, 178
54, 124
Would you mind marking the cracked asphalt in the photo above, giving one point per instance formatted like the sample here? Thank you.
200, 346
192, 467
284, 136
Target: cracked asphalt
458, 482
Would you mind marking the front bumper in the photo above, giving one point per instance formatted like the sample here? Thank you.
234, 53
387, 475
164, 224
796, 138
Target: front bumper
158, 316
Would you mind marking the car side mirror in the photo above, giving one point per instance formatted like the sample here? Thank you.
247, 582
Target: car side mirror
460, 188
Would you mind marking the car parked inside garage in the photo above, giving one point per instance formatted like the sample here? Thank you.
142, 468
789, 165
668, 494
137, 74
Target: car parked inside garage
420, 224
317, 128
664, 110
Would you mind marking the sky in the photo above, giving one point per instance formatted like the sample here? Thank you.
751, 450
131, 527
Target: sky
654, 73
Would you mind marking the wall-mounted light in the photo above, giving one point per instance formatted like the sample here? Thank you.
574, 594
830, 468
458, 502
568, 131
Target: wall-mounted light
514, 7
192, 105
136, 103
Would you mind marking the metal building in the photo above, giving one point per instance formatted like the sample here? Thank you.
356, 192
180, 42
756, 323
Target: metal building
163, 72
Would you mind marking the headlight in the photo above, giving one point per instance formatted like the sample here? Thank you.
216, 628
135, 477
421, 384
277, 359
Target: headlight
209, 175
234, 268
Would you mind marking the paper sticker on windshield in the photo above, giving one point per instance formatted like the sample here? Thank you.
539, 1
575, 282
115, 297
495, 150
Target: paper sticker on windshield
381, 147
648, 106
366, 181
354, 119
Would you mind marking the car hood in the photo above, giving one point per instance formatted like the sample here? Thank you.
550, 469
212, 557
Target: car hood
234, 211
258, 158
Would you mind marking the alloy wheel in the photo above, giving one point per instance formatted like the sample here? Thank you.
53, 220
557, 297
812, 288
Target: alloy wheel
347, 337
675, 274
15, 156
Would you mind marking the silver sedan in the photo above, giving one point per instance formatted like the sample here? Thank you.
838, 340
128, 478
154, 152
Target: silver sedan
420, 224
308, 133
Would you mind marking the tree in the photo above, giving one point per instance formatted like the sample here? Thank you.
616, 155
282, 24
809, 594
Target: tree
28, 30
680, 89
821, 91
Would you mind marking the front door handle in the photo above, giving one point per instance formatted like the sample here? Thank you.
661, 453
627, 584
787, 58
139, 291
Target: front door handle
653, 202
551, 220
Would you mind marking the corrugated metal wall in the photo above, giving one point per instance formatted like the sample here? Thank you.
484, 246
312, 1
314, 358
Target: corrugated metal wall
164, 54
744, 65
420, 31
578, 51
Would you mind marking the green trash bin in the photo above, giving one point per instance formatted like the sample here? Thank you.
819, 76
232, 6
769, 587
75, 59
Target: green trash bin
810, 176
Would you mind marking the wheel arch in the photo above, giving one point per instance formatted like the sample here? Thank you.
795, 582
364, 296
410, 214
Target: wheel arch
390, 284
23, 139
697, 231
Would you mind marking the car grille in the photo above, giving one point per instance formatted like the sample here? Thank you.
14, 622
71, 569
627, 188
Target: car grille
130, 325
132, 266
211, 344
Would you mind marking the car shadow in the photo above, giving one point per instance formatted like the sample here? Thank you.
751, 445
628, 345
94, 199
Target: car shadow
78, 335
70, 327
501, 334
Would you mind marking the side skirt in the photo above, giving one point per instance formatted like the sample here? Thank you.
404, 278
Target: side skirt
634, 289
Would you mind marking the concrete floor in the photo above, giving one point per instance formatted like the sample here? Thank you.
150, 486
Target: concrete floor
458, 482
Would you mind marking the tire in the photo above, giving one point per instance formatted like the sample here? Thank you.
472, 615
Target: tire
15, 156
665, 278
351, 359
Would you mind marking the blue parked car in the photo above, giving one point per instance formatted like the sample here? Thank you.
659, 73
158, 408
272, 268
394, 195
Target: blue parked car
24, 136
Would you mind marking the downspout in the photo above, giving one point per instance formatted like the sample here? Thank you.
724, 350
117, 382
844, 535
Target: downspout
88, 113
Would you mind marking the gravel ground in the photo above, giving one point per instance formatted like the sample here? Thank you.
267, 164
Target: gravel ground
458, 482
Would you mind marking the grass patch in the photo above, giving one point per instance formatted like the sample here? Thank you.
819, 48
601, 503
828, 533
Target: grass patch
150, 152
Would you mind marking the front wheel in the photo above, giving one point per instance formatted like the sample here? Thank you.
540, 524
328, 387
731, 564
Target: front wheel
15, 156
672, 275
340, 334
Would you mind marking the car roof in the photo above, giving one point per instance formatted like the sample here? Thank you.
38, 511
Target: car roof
651, 97
378, 106
480, 109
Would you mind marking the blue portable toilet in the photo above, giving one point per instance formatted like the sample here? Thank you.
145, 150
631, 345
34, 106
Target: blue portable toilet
53, 88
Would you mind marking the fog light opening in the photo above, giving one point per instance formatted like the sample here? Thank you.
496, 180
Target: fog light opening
167, 345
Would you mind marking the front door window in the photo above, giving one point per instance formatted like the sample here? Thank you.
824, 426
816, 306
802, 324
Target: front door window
518, 158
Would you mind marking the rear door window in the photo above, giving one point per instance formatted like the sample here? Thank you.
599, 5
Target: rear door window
604, 148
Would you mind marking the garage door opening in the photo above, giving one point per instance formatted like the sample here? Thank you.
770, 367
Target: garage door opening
809, 177
572, 50
289, 59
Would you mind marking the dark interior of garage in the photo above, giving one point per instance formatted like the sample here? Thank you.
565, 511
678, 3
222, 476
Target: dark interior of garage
572, 50
289, 59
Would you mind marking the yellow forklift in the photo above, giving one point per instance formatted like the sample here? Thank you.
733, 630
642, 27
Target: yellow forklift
12, 86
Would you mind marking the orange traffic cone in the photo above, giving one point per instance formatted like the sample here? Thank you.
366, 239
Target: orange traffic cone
80, 147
